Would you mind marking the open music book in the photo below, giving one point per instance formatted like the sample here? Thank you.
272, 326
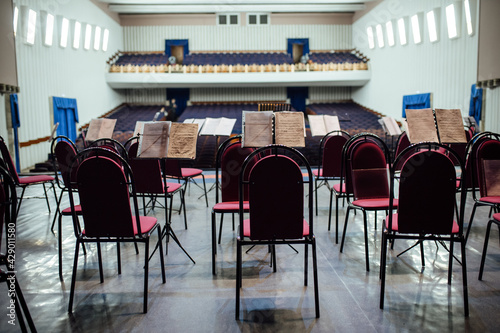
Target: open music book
100, 128
218, 126
199, 121
390, 126
442, 125
258, 128
323, 124
164, 139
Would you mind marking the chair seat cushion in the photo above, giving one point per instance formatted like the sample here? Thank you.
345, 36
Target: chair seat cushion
147, 223
190, 172
454, 230
246, 228
172, 187
35, 179
496, 216
318, 172
336, 187
379, 203
230, 206
67, 211
492, 199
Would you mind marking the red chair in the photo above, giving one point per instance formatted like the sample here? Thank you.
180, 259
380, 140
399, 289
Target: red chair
330, 155
230, 157
487, 148
174, 170
365, 160
496, 220
276, 202
8, 217
100, 179
426, 206
24, 182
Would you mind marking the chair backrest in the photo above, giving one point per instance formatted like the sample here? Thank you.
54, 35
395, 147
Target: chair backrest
274, 107
427, 193
276, 195
331, 147
105, 188
64, 152
230, 158
403, 142
147, 172
488, 150
366, 167
112, 145
8, 162
173, 168
8, 204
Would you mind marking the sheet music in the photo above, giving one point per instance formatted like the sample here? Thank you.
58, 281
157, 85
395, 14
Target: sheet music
331, 123
199, 121
391, 126
138, 127
450, 126
153, 143
421, 125
182, 141
289, 128
100, 128
218, 126
257, 128
491, 177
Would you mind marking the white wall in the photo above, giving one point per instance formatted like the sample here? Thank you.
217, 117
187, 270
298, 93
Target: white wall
491, 110
446, 68
53, 71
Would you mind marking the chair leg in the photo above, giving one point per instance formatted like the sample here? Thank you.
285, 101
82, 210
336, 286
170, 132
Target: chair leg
316, 195
464, 278
238, 279
24, 307
220, 227
470, 221
146, 272
46, 196
345, 228
214, 246
485, 248
367, 255
99, 258
183, 204
315, 277
383, 260
58, 212
118, 257
205, 189
273, 248
59, 240
73, 278
330, 215
306, 262
20, 199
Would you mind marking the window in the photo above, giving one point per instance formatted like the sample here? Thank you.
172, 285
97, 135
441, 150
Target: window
88, 36
64, 32
380, 36
105, 39
15, 19
433, 25
257, 19
390, 33
228, 19
49, 29
76, 34
469, 8
403, 37
452, 21
97, 38
415, 28
30, 34
369, 34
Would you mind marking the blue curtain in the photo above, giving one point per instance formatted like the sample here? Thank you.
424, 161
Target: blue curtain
66, 114
181, 96
298, 97
301, 41
476, 103
176, 42
16, 123
418, 101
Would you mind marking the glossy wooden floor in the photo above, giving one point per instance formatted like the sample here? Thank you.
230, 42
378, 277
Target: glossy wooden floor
192, 300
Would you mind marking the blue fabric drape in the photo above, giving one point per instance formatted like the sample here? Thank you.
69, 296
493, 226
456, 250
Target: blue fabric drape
476, 103
16, 123
418, 101
298, 96
181, 96
66, 114
301, 41
176, 42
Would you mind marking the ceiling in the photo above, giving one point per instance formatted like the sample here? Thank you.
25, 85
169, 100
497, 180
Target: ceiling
227, 6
